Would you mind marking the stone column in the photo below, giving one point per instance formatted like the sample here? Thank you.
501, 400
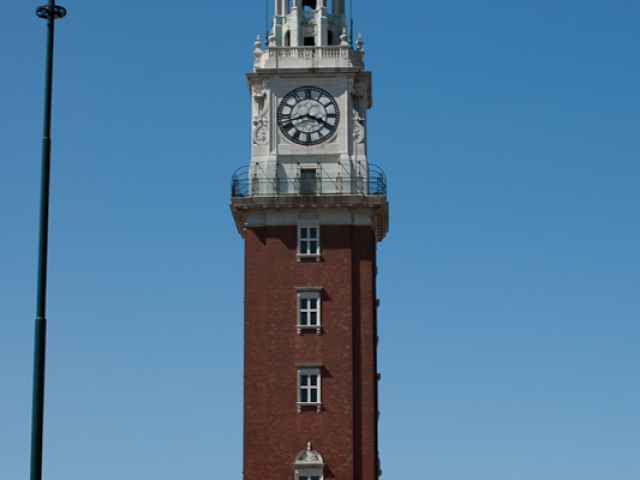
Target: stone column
282, 9
322, 23
295, 23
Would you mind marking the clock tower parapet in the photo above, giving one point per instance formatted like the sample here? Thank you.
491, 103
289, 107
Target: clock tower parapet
308, 57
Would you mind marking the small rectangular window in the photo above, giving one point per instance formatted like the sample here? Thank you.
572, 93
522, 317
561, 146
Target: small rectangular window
309, 388
308, 241
309, 309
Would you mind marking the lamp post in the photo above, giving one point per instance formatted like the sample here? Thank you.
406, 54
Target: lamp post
51, 13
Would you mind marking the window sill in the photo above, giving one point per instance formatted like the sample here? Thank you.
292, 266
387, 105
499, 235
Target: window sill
301, 405
317, 328
305, 256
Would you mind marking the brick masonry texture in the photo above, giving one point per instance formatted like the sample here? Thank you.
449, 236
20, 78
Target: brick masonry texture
345, 432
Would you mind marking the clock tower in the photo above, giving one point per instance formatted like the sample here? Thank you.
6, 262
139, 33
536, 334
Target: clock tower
311, 209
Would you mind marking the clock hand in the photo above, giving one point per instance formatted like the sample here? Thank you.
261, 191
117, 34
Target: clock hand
318, 117
308, 115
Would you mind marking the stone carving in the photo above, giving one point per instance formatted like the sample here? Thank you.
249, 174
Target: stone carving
309, 457
359, 130
308, 218
273, 38
261, 118
344, 39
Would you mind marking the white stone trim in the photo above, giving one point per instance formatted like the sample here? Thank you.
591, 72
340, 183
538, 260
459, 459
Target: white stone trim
285, 211
303, 473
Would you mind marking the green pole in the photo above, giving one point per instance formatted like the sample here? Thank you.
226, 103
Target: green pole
51, 13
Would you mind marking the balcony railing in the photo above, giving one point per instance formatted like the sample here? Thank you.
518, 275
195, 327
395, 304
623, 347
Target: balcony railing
371, 183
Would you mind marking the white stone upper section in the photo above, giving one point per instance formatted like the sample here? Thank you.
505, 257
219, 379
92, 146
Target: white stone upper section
308, 23
308, 34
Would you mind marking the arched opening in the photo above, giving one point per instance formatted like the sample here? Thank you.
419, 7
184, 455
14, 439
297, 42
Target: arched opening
330, 38
287, 39
309, 4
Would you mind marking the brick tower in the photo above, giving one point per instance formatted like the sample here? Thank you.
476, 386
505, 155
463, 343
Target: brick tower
311, 209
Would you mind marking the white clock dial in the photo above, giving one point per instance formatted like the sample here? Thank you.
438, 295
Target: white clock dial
308, 115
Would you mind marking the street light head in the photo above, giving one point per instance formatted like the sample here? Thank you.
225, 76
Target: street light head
58, 12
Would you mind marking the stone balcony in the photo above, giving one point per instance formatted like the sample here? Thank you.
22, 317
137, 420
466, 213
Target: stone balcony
367, 192
308, 57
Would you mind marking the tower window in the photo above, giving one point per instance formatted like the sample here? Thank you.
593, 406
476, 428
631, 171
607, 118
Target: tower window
309, 241
309, 237
309, 386
309, 303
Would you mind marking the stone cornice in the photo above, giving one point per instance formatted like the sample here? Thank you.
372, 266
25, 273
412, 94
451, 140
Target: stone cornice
378, 206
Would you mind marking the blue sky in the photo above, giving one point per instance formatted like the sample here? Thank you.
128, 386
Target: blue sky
509, 281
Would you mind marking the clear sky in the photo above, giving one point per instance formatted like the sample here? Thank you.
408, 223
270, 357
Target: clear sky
509, 282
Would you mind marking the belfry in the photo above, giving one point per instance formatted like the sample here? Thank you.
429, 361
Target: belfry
311, 209
308, 23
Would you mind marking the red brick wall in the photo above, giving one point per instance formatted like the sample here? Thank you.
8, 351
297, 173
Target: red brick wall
345, 433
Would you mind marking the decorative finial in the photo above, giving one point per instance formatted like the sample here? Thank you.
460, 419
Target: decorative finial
344, 38
308, 446
360, 43
258, 45
272, 37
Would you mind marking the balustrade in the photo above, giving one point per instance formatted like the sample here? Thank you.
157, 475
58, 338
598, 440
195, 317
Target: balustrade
283, 55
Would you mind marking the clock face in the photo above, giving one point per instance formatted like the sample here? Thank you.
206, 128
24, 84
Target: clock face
308, 115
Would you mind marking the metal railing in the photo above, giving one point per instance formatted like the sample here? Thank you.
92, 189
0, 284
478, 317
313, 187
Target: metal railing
371, 183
